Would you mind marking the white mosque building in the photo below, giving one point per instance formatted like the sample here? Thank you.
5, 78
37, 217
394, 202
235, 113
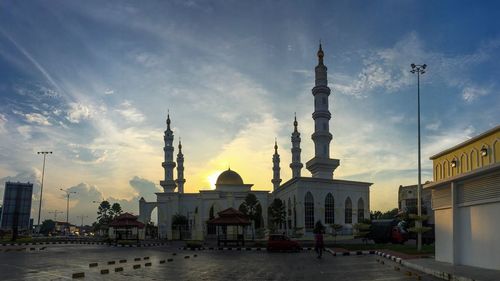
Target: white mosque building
307, 199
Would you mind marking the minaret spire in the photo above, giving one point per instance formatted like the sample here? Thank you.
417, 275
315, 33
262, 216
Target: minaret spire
276, 167
180, 169
296, 165
321, 166
168, 165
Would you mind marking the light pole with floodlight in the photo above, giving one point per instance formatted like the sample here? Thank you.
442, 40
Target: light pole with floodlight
419, 69
44, 153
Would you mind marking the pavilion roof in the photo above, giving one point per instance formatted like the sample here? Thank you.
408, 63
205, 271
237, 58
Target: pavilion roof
230, 216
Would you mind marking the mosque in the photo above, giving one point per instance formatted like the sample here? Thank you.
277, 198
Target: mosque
307, 199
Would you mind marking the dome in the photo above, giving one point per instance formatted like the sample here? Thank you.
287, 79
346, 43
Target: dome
229, 177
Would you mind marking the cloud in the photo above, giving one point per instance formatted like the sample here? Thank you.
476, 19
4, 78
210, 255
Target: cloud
3, 122
87, 155
469, 93
388, 69
109, 92
144, 188
130, 113
36, 118
78, 112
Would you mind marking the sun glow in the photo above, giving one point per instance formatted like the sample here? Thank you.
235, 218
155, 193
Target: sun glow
212, 178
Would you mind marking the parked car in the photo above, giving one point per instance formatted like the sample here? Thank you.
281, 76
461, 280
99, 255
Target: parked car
281, 242
390, 230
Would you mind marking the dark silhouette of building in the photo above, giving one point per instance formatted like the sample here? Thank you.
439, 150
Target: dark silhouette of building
16, 209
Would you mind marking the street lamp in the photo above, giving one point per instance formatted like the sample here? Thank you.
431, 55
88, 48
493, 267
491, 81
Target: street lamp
419, 69
68, 193
44, 153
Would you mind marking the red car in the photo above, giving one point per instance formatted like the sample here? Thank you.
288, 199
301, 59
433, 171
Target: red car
280, 242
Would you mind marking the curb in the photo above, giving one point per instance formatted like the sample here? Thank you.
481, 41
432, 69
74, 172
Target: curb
350, 253
233, 249
436, 273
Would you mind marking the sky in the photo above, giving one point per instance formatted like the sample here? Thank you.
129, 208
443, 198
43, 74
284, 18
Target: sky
93, 81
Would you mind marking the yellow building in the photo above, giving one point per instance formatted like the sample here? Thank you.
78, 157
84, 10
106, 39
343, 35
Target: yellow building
478, 152
466, 201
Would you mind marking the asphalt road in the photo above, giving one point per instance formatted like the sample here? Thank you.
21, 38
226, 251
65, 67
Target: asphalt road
59, 262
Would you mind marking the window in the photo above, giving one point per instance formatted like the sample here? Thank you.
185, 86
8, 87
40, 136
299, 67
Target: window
309, 211
289, 214
294, 212
361, 210
348, 210
329, 209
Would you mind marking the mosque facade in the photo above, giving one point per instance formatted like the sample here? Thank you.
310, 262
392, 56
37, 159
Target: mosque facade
307, 199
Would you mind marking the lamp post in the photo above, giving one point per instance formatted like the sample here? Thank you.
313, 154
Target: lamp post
44, 153
68, 193
419, 69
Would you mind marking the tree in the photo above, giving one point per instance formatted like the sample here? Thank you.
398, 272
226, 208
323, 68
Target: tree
251, 207
179, 222
277, 212
104, 213
116, 210
47, 227
378, 215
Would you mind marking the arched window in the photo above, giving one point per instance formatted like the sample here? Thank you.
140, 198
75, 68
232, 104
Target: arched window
361, 210
289, 214
294, 212
463, 163
348, 210
473, 160
329, 209
309, 211
438, 172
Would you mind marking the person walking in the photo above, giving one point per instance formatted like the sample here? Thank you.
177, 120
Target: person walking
318, 238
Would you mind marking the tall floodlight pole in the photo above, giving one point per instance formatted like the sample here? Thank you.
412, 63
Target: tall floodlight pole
44, 153
68, 193
419, 69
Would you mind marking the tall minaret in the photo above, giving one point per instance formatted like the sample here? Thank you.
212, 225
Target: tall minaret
168, 165
296, 165
276, 167
321, 166
180, 170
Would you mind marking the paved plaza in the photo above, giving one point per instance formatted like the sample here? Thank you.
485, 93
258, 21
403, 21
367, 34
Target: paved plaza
59, 262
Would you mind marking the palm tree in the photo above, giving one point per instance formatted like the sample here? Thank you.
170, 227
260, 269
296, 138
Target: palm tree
179, 221
250, 207
277, 212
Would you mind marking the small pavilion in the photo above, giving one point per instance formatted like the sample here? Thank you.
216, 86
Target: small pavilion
230, 226
126, 227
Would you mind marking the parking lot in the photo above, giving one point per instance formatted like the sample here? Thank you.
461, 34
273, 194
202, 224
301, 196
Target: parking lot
59, 262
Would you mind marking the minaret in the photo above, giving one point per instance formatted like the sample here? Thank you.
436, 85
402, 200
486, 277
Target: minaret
296, 165
168, 165
321, 166
180, 170
276, 168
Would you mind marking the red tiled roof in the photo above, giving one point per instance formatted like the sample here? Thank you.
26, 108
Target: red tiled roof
126, 220
230, 216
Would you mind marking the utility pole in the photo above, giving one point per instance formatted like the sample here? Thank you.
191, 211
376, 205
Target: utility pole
55, 212
44, 153
419, 69
68, 193
82, 217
